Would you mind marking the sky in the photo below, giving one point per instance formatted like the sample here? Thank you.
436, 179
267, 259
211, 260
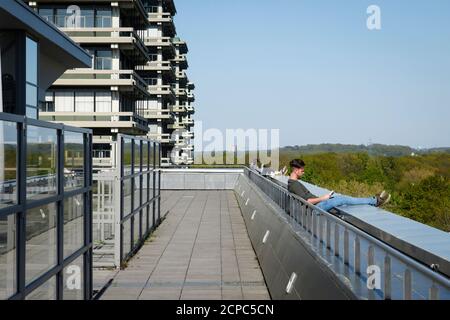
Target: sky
313, 69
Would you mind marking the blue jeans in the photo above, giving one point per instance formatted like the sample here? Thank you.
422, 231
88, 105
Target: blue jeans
344, 200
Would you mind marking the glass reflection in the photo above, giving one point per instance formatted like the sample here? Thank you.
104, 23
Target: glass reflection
127, 156
41, 241
73, 160
45, 292
73, 280
73, 224
8, 239
41, 162
8, 164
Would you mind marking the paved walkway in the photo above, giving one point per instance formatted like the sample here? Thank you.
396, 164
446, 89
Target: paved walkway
200, 251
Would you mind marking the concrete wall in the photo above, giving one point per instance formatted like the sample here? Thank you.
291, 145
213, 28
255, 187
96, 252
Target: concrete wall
202, 179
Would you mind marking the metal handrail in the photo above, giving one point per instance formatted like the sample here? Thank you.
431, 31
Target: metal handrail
414, 276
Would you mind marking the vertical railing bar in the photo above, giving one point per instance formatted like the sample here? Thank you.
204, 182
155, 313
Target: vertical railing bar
328, 234
407, 285
387, 278
336, 240
346, 247
357, 256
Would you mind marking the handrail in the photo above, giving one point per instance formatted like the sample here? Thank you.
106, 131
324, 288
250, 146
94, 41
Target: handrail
414, 276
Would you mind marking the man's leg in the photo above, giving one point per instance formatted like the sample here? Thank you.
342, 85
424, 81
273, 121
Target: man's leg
344, 200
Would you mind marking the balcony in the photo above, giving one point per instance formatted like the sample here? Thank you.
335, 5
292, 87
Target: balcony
165, 138
161, 90
187, 121
179, 109
181, 59
126, 38
191, 97
125, 122
160, 17
121, 80
159, 114
165, 43
181, 45
190, 109
176, 125
188, 134
133, 9
157, 66
180, 92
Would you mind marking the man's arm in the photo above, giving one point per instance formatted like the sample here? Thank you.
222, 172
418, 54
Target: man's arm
300, 190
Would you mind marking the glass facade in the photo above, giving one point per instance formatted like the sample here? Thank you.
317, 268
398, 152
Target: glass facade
44, 219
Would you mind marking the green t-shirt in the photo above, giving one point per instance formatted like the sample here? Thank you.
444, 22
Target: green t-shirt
296, 187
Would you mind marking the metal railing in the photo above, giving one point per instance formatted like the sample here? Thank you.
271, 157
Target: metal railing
79, 21
358, 252
136, 194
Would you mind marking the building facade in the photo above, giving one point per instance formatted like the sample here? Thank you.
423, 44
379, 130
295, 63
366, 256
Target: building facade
137, 84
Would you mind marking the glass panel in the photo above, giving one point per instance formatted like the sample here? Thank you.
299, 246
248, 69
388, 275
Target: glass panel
136, 230
40, 241
41, 162
137, 156
144, 221
31, 112
127, 189
73, 160
9, 58
137, 193
84, 101
87, 18
127, 147
31, 62
103, 18
47, 14
150, 215
31, 95
152, 155
144, 155
8, 163
8, 239
157, 155
144, 188
73, 224
126, 238
45, 292
150, 186
73, 278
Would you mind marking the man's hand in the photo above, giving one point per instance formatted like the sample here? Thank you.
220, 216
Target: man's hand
326, 197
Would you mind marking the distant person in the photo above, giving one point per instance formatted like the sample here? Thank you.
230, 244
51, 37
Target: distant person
328, 201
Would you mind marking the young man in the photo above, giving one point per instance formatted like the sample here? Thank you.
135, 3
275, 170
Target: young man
328, 201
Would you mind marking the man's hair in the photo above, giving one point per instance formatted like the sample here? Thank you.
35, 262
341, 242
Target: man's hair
297, 163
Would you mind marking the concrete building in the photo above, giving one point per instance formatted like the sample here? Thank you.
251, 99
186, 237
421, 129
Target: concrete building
137, 83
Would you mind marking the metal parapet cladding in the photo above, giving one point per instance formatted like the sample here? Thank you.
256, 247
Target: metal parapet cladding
284, 253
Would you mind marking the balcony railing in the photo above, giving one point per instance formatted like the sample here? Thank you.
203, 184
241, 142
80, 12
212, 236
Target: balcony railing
349, 250
79, 21
98, 119
158, 114
91, 77
160, 17
161, 137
